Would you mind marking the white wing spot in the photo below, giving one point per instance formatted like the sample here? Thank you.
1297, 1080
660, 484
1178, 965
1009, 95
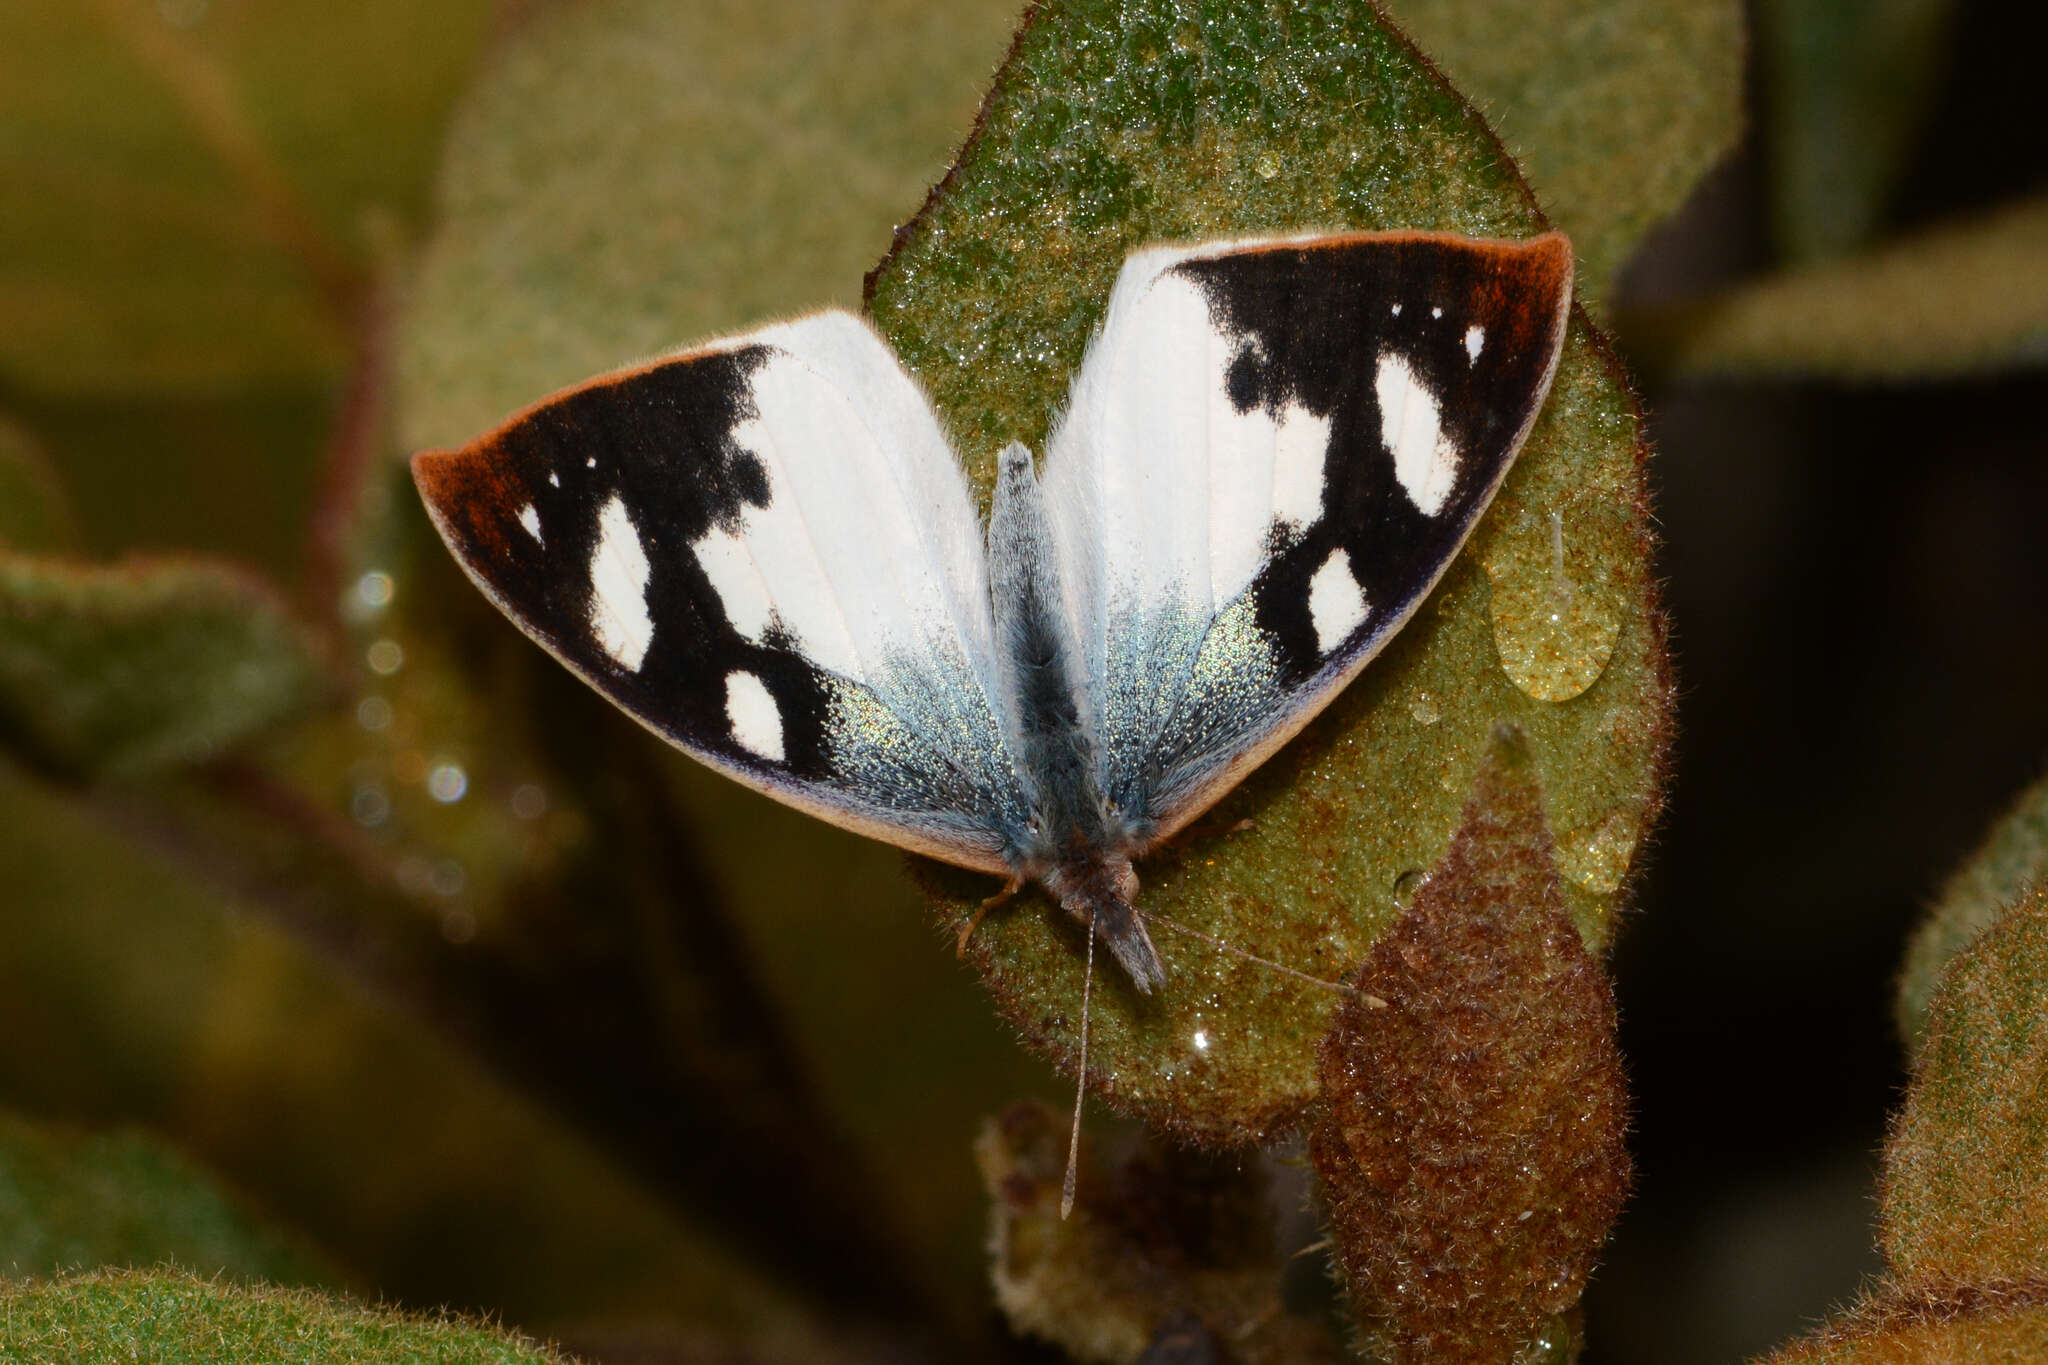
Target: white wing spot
1336, 604
1436, 312
618, 588
530, 519
1301, 439
755, 718
1425, 462
1475, 338
590, 463
729, 564
554, 479
1397, 310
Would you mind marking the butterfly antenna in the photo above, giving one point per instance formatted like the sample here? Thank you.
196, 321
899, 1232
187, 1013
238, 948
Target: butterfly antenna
1235, 951
1080, 1081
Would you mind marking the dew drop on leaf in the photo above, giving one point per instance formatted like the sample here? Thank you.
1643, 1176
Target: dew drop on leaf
1598, 858
1554, 629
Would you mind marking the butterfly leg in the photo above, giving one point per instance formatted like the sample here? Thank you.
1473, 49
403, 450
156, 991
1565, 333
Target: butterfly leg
999, 899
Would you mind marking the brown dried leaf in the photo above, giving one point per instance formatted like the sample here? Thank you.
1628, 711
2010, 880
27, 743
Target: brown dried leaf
1471, 1148
1166, 1244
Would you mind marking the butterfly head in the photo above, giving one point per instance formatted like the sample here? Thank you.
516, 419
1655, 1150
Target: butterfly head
1099, 892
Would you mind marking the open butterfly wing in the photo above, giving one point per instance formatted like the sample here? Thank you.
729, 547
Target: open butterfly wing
765, 551
1273, 452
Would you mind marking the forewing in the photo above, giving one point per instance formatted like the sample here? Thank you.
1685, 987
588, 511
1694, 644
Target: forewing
765, 551
1273, 452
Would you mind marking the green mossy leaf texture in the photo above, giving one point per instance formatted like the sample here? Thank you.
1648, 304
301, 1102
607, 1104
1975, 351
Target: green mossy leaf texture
1115, 125
1962, 299
1965, 1198
1614, 111
119, 671
72, 1201
146, 150
1471, 1145
171, 1317
2012, 858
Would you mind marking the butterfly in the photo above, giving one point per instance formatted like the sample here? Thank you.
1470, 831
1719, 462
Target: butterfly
765, 550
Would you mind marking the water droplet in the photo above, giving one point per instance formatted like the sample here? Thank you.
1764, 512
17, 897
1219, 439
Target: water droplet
1407, 884
385, 657
1425, 710
374, 589
1598, 858
447, 783
1268, 165
374, 713
448, 878
1553, 623
529, 801
370, 807
415, 875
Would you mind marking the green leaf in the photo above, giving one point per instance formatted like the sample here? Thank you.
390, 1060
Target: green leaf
1848, 83
1113, 125
1614, 111
34, 514
117, 671
1964, 299
2000, 1324
129, 985
1965, 1196
189, 185
635, 174
2012, 858
72, 1201
168, 1317
1471, 1142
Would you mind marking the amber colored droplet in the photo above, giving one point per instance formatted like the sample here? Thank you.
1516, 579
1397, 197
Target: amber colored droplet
1471, 1148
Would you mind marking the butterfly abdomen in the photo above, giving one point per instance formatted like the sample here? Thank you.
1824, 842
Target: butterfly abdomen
1056, 752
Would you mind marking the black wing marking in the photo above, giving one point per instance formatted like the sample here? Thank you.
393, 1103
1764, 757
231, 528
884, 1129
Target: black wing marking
765, 552
1360, 399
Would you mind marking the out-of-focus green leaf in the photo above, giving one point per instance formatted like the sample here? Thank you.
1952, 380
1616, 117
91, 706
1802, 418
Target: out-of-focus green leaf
1614, 110
73, 1201
1847, 83
636, 174
2013, 858
128, 987
171, 1317
1967, 298
1988, 1325
189, 184
121, 670
1113, 125
34, 514
1966, 1169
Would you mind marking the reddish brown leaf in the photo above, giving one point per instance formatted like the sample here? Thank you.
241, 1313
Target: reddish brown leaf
1471, 1144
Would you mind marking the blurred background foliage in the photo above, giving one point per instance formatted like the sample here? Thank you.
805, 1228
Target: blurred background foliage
347, 947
